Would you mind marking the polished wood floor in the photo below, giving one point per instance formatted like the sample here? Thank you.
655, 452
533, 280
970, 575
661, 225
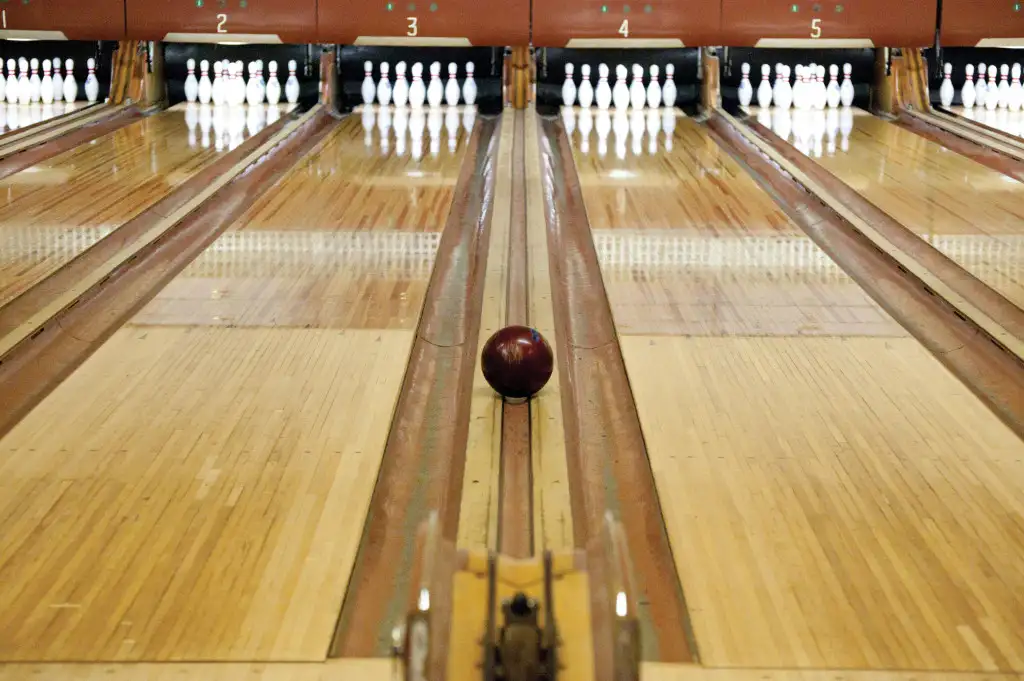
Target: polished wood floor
53, 211
205, 494
1000, 119
834, 497
972, 214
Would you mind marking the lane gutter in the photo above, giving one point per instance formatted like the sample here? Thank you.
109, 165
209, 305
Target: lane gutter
80, 321
987, 152
608, 466
424, 458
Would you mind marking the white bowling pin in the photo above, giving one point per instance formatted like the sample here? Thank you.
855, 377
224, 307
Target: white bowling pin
291, 86
46, 84
784, 98
746, 90
216, 87
822, 93
967, 93
568, 87
846, 89
35, 85
469, 86
383, 85
654, 88
435, 91
12, 82
604, 91
991, 90
369, 89
946, 90
586, 93
3, 94
1004, 86
24, 87
637, 92
832, 95
764, 88
273, 85
58, 81
70, 84
451, 88
401, 91
980, 89
92, 85
205, 85
191, 84
668, 93
1016, 97
417, 91
620, 93
252, 86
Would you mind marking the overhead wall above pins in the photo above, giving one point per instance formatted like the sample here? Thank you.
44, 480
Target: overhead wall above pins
982, 23
62, 20
428, 23
222, 21
828, 24
618, 24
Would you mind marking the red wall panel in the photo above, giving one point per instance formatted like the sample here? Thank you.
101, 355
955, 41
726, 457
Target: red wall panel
605, 23
969, 22
294, 21
102, 20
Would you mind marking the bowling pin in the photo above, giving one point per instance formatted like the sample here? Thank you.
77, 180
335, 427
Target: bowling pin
291, 86
273, 85
401, 91
451, 88
668, 93
205, 86
417, 91
217, 87
991, 90
252, 85
832, 96
191, 84
846, 89
620, 93
1004, 86
980, 89
568, 87
70, 84
946, 89
1016, 96
637, 92
12, 82
469, 86
46, 84
24, 87
58, 81
92, 85
35, 85
435, 91
654, 88
369, 89
604, 91
967, 93
586, 92
783, 96
383, 85
746, 90
764, 89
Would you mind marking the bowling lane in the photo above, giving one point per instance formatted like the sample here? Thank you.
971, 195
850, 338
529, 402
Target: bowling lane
51, 212
972, 214
14, 117
833, 496
197, 489
1008, 121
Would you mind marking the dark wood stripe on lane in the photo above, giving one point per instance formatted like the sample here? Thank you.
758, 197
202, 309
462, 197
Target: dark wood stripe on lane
424, 458
608, 464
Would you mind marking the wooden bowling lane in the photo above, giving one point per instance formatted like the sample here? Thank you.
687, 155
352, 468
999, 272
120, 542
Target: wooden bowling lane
1010, 122
973, 215
834, 497
196, 490
51, 212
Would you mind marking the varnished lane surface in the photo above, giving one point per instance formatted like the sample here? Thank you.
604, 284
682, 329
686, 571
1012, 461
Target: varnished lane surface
834, 497
204, 494
51, 212
14, 117
972, 214
1011, 122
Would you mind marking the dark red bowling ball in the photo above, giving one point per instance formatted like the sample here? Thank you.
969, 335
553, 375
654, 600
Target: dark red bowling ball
517, 361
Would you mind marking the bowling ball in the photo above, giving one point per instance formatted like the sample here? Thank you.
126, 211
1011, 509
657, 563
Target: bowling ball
517, 362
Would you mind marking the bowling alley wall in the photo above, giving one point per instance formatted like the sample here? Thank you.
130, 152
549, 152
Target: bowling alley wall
628, 32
